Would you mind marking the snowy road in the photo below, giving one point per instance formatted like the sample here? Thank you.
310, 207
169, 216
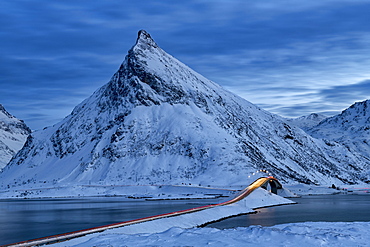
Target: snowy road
258, 183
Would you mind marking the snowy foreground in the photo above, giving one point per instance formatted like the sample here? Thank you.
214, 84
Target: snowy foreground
182, 231
295, 234
258, 198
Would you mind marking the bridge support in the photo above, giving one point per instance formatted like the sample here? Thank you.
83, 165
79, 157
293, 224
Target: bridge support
273, 185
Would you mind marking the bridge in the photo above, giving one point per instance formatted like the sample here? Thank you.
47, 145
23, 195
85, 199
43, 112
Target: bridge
263, 182
274, 185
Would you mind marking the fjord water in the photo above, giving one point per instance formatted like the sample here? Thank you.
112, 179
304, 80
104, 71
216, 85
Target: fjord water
330, 208
25, 219
33, 218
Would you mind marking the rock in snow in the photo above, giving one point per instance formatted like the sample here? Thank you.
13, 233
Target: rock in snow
13, 134
158, 121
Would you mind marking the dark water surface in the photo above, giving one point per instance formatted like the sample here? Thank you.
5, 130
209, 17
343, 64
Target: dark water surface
22, 219
33, 218
330, 208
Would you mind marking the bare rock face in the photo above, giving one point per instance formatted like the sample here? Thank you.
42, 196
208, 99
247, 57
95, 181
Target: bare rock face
13, 134
158, 121
351, 128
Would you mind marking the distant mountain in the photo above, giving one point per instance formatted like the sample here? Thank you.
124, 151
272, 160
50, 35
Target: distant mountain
350, 128
307, 122
13, 134
158, 121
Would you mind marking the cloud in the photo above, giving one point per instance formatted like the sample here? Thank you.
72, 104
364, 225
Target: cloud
287, 56
306, 76
329, 101
347, 93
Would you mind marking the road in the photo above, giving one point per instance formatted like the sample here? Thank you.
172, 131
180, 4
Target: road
66, 236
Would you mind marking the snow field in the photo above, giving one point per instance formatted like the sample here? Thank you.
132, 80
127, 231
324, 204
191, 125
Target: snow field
308, 234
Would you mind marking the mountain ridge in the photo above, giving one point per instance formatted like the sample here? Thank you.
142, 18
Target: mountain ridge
158, 121
308, 121
13, 134
351, 128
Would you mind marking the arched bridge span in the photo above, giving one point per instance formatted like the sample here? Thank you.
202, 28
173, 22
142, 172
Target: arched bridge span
273, 183
263, 182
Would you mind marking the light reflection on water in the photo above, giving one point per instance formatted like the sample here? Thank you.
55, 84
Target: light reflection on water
34, 218
28, 219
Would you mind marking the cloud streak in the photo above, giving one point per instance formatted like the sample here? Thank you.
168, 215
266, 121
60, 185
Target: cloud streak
291, 57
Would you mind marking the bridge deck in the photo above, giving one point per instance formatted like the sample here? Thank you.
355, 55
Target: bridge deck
260, 182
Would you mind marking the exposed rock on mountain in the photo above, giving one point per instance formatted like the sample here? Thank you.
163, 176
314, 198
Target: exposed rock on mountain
307, 122
13, 134
158, 121
350, 128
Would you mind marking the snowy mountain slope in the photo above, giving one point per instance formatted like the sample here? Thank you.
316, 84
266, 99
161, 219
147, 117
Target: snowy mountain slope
307, 122
13, 134
158, 121
350, 128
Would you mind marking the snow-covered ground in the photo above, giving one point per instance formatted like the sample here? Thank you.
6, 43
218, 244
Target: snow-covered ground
304, 189
150, 191
167, 192
182, 230
296, 234
155, 192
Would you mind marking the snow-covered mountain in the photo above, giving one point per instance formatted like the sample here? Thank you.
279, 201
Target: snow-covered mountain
158, 121
350, 128
13, 134
307, 122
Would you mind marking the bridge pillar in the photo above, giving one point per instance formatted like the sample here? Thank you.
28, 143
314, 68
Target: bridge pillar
273, 187
264, 186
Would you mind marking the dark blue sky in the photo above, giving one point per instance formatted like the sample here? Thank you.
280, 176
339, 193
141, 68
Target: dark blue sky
290, 57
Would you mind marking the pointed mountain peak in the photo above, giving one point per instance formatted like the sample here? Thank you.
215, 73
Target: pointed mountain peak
144, 40
153, 76
5, 112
